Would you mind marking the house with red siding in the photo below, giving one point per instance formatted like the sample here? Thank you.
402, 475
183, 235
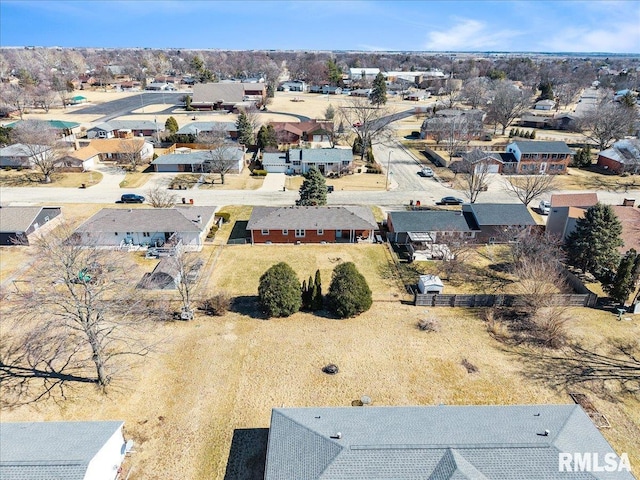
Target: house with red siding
348, 224
541, 157
296, 132
623, 156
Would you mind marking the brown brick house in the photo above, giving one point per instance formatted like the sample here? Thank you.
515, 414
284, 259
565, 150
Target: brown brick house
296, 132
349, 224
541, 157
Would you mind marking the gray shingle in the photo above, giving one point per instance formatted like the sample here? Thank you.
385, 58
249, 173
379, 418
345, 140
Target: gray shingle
540, 146
312, 218
429, 221
487, 214
17, 219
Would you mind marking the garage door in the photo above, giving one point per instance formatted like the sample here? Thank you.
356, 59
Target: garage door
491, 168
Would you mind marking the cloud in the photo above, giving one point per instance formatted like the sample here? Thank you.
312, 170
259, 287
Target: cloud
467, 35
618, 38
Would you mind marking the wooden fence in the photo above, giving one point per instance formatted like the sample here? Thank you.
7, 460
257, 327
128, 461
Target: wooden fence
491, 300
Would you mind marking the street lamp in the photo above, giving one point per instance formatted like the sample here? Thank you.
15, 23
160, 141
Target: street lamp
386, 185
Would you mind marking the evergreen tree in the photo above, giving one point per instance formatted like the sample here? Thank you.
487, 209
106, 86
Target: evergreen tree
582, 158
330, 112
317, 302
532, 135
245, 130
334, 72
304, 296
379, 91
349, 294
171, 125
593, 245
279, 291
546, 91
626, 277
267, 137
187, 104
313, 191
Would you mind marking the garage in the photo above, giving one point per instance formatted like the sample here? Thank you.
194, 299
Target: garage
488, 167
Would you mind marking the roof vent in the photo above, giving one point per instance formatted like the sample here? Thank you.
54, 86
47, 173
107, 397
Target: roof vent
338, 436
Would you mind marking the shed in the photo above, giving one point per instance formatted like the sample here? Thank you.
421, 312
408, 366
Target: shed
430, 284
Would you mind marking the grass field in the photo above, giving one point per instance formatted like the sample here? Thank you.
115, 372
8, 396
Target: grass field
32, 178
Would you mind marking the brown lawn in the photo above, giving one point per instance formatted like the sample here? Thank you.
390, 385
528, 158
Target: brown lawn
33, 178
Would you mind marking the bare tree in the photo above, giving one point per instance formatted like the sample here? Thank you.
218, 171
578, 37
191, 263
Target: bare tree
15, 96
507, 103
222, 154
527, 188
607, 122
370, 123
566, 93
41, 144
79, 318
160, 197
43, 96
455, 132
474, 174
474, 91
130, 152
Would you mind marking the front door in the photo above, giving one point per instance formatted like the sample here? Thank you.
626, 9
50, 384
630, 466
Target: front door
543, 168
338, 234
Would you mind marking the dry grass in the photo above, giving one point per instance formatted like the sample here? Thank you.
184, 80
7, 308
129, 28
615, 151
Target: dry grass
355, 182
232, 181
32, 178
215, 375
592, 179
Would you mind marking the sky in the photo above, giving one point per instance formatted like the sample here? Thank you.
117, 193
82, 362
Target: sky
608, 26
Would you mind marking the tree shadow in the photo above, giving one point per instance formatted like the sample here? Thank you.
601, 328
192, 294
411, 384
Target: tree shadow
611, 373
238, 233
249, 306
248, 454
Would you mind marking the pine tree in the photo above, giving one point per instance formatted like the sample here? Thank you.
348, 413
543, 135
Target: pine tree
349, 294
626, 277
379, 91
330, 112
593, 245
245, 130
267, 137
171, 125
279, 291
317, 302
313, 190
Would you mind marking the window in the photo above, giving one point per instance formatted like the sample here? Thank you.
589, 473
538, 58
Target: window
297, 163
299, 233
146, 234
285, 232
560, 167
545, 155
265, 231
320, 231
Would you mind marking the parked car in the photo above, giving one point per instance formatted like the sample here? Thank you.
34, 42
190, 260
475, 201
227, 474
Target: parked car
451, 201
131, 198
544, 207
426, 172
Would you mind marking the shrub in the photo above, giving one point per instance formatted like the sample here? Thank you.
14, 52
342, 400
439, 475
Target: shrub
225, 216
349, 294
212, 232
430, 324
217, 305
471, 368
279, 291
259, 173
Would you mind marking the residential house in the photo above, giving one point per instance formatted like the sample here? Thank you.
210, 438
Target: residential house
348, 224
18, 224
309, 131
623, 156
630, 219
80, 160
57, 450
499, 222
421, 228
231, 156
357, 74
293, 86
159, 87
120, 150
531, 120
20, 155
563, 121
101, 130
544, 105
139, 128
301, 160
541, 157
439, 127
566, 209
148, 227
194, 128
449, 442
489, 162
231, 97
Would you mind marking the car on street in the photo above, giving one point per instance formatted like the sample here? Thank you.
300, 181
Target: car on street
426, 172
544, 207
451, 201
131, 198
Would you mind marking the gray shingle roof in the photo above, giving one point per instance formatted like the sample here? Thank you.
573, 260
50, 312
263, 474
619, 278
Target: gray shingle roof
625, 151
51, 450
429, 221
194, 128
500, 213
196, 157
539, 146
316, 155
179, 219
21, 150
312, 218
17, 219
436, 443
136, 125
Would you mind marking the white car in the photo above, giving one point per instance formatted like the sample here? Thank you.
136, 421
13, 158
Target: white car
544, 207
426, 172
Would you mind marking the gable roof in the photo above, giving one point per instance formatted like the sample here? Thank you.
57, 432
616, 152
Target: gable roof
630, 219
116, 145
195, 127
104, 126
178, 219
232, 92
574, 199
298, 128
439, 443
625, 151
319, 155
542, 146
491, 214
84, 153
429, 221
55, 124
18, 219
196, 157
136, 125
312, 218
22, 150
48, 450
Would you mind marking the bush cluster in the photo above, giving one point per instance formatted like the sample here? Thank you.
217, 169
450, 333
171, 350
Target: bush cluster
259, 173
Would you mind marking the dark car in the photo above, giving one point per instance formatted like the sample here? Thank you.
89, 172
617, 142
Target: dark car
131, 198
451, 201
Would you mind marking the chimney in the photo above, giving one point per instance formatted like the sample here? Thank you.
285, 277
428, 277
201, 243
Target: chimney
629, 202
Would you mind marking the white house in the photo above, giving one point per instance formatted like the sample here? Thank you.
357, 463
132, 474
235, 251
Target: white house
21, 155
230, 156
61, 450
366, 74
148, 227
545, 105
301, 160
